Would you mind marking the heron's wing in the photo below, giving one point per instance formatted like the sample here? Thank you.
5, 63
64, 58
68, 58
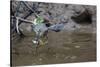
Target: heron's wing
57, 27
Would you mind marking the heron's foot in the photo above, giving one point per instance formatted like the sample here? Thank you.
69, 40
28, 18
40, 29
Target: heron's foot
34, 42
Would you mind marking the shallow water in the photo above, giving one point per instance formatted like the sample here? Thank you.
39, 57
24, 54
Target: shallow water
61, 48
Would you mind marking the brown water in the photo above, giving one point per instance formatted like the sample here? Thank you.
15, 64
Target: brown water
61, 48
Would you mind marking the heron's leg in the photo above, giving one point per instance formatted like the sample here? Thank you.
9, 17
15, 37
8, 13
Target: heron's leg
37, 38
36, 45
36, 49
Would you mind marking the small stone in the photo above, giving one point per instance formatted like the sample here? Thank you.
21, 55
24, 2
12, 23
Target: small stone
40, 59
67, 57
77, 46
56, 56
73, 57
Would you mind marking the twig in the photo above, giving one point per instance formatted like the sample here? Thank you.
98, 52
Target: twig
29, 8
24, 20
17, 28
30, 12
17, 9
17, 23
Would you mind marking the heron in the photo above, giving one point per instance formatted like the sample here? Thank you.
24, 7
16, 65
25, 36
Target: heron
41, 27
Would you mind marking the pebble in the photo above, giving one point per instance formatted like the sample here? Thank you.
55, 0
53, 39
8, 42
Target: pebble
67, 57
77, 46
40, 59
56, 56
73, 57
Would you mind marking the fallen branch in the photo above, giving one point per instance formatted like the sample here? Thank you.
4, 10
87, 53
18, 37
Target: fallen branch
17, 20
29, 8
23, 20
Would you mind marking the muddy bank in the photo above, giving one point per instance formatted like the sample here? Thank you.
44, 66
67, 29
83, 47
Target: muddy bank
62, 47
